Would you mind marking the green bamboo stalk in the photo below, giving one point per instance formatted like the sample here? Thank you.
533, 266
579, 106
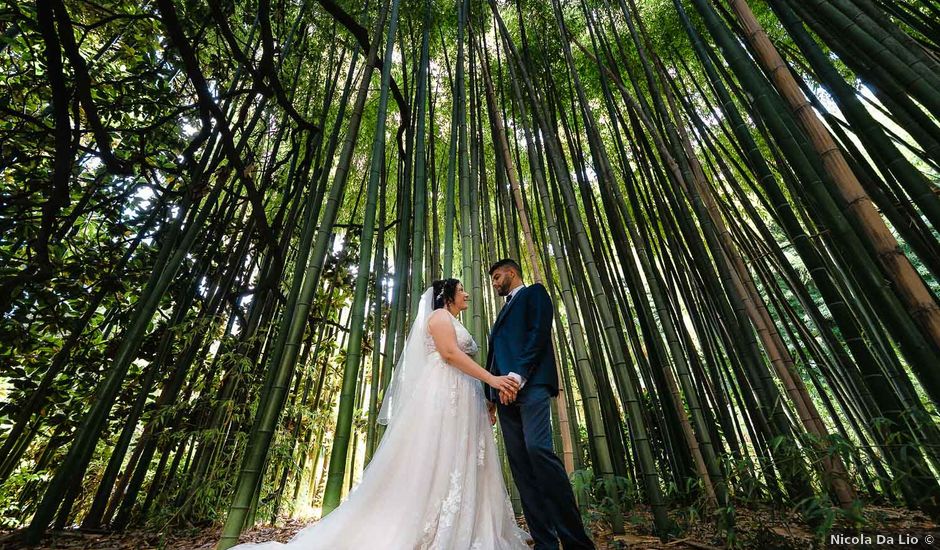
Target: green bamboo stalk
420, 215
342, 433
306, 282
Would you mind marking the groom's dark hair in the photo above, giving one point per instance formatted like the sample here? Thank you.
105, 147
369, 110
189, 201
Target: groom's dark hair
445, 292
507, 262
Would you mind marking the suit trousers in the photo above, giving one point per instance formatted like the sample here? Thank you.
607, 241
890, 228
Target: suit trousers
548, 502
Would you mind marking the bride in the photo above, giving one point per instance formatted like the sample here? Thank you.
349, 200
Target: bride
435, 479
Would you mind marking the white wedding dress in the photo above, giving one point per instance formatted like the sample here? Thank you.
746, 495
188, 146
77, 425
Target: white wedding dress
434, 481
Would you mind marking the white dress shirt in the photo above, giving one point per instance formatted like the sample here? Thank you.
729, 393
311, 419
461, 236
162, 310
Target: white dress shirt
514, 375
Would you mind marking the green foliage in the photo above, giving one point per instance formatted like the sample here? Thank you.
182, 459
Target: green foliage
80, 249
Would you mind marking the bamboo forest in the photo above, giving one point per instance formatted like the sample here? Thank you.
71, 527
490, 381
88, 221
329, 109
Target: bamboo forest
217, 218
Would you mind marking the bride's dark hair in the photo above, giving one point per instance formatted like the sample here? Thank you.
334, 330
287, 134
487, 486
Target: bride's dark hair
445, 292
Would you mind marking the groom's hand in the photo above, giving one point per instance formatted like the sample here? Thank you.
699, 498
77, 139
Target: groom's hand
507, 398
491, 408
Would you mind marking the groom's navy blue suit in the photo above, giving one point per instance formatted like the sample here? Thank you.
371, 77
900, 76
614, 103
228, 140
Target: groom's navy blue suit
520, 341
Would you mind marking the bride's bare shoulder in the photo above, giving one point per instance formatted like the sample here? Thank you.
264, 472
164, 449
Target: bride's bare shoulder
439, 318
439, 315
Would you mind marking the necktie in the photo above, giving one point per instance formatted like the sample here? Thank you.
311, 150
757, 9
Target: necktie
509, 297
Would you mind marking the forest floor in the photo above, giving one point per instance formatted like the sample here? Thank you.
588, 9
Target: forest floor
754, 528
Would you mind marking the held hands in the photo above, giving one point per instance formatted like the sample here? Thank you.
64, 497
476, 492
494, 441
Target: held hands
507, 398
506, 386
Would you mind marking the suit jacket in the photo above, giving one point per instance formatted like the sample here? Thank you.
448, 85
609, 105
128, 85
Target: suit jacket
521, 341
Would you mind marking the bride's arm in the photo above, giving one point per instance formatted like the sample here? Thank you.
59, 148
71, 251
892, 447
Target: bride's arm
445, 340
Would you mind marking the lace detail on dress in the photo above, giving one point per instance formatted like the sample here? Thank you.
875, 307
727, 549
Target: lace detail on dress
465, 340
453, 395
451, 504
445, 519
481, 449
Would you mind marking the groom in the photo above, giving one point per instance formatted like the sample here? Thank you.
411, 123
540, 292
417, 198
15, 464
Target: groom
520, 346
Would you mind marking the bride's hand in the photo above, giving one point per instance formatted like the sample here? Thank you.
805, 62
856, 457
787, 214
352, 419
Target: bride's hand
504, 384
